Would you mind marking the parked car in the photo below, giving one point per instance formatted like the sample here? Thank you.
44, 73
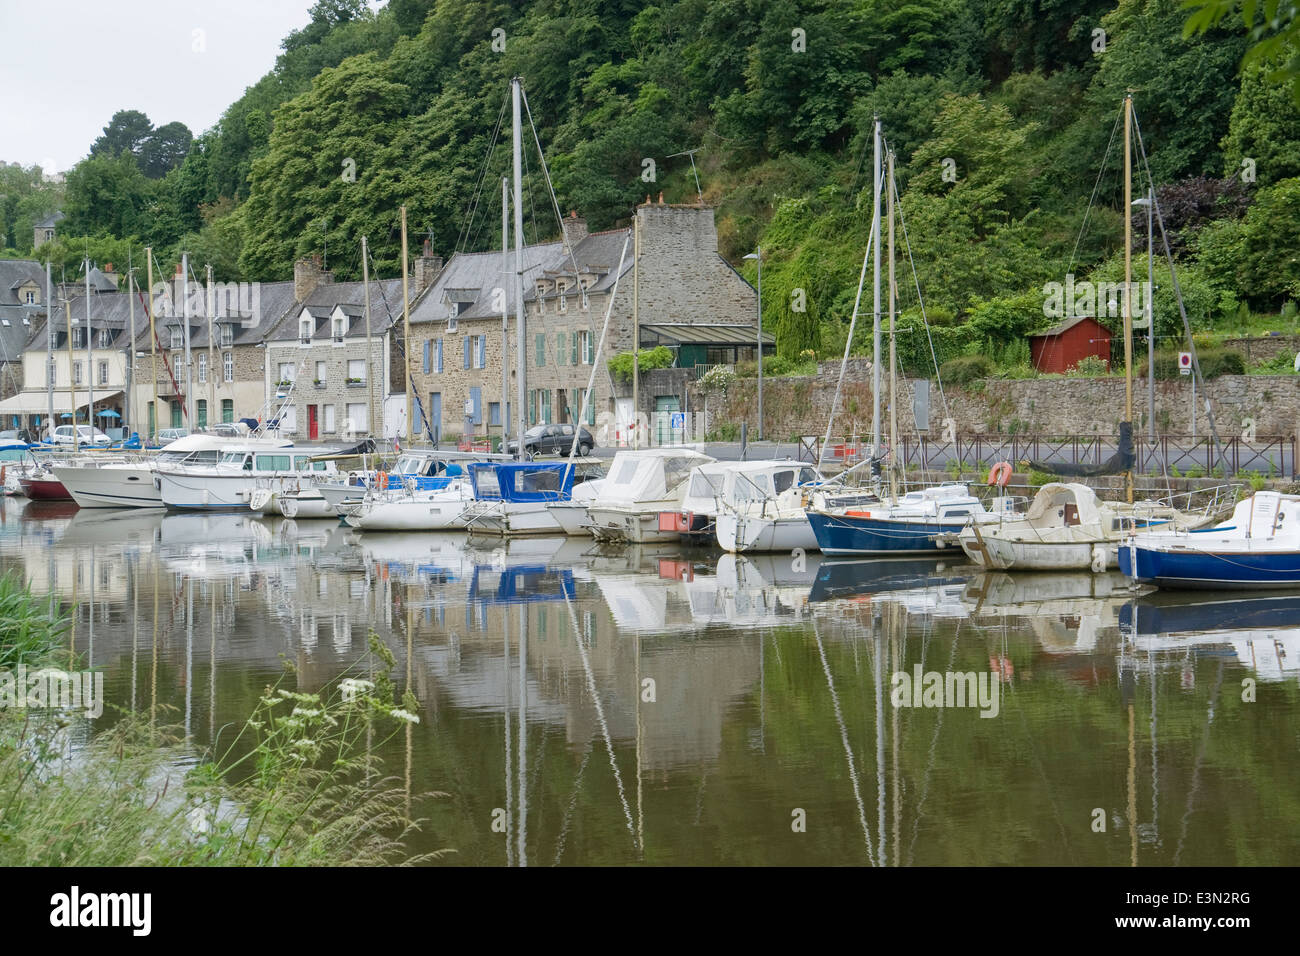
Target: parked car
552, 440
63, 435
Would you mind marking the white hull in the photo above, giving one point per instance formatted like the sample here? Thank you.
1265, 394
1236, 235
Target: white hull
299, 504
639, 525
512, 518
572, 518
112, 486
748, 533
410, 514
1091, 554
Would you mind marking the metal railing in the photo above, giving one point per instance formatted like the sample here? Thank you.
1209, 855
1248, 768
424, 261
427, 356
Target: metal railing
1171, 453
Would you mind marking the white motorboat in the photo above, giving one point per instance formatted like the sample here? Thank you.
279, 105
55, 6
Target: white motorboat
518, 498
118, 483
240, 471
440, 506
762, 507
640, 487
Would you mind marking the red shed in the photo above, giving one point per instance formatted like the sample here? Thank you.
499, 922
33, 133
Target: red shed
1061, 347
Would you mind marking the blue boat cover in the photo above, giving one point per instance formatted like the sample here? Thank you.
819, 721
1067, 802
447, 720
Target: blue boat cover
522, 481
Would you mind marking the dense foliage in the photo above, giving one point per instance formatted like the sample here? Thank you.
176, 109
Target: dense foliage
1002, 114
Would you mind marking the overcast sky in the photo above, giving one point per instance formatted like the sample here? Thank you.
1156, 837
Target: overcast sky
67, 66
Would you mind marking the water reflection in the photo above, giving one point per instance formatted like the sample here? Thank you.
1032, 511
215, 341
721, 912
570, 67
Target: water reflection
652, 704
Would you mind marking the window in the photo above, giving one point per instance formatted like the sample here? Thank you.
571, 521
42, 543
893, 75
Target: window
287, 372
227, 410
177, 337
228, 366
274, 462
481, 352
340, 323
356, 371
546, 404
356, 416
587, 341
305, 329
31, 297
320, 373
102, 373
76, 373
782, 481
103, 338
201, 412
541, 350
561, 347
438, 355
79, 340
586, 303
329, 419
494, 413
227, 336
563, 304
203, 368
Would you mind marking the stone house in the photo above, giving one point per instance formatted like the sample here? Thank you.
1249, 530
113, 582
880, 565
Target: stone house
690, 300
45, 230
22, 307
320, 380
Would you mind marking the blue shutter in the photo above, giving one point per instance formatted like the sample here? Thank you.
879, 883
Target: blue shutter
427, 343
482, 351
476, 396
466, 351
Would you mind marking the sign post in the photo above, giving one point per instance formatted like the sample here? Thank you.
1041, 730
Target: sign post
1185, 368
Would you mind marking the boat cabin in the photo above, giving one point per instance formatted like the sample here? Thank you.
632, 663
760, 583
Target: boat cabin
522, 482
649, 475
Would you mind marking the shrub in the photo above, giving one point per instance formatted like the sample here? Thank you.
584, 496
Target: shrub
1214, 362
1091, 365
966, 369
620, 366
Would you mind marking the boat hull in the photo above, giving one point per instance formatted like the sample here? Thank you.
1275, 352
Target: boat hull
746, 534
999, 554
634, 525
111, 487
410, 515
848, 534
1200, 569
44, 489
513, 518
572, 519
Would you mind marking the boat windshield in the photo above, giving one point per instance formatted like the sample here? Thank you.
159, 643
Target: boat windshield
623, 472
704, 485
408, 465
232, 458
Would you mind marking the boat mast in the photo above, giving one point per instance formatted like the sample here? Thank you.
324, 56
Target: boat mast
189, 357
636, 329
153, 339
212, 368
406, 341
370, 349
521, 359
875, 293
128, 405
90, 365
505, 313
1128, 279
893, 351
49, 346
72, 385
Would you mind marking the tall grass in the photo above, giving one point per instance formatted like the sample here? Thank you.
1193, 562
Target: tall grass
295, 784
30, 629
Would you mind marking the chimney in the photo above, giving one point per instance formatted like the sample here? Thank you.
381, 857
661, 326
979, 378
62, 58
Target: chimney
426, 268
575, 229
307, 275
109, 274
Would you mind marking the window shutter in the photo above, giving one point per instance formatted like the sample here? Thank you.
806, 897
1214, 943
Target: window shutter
559, 348
427, 344
439, 355
541, 350
573, 347
482, 352
466, 351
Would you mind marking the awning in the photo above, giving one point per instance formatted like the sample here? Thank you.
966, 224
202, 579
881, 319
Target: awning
38, 403
699, 334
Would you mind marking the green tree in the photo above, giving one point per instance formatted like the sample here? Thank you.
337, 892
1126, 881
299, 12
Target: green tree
126, 132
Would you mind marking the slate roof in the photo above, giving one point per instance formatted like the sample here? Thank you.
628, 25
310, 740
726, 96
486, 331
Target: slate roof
385, 308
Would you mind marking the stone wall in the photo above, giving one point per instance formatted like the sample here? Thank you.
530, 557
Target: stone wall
799, 405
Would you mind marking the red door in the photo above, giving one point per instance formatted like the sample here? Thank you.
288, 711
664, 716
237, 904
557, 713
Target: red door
313, 427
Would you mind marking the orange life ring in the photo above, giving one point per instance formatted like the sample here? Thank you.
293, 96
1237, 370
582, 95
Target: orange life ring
1000, 474
382, 480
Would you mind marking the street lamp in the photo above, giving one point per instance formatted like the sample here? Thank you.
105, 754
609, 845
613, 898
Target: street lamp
1149, 202
757, 255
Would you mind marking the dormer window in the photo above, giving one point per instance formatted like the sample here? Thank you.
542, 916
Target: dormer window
227, 336
31, 297
177, 339
78, 339
563, 305
304, 330
340, 326
103, 338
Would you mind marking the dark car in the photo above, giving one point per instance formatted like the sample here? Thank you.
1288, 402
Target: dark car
552, 440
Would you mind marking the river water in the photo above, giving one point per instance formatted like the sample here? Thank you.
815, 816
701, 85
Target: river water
681, 706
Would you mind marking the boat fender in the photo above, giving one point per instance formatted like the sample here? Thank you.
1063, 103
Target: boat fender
1098, 558
382, 480
1000, 474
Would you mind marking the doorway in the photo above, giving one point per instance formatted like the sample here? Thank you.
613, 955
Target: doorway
313, 422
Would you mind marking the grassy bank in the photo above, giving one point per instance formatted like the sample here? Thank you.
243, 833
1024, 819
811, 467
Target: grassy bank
294, 785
